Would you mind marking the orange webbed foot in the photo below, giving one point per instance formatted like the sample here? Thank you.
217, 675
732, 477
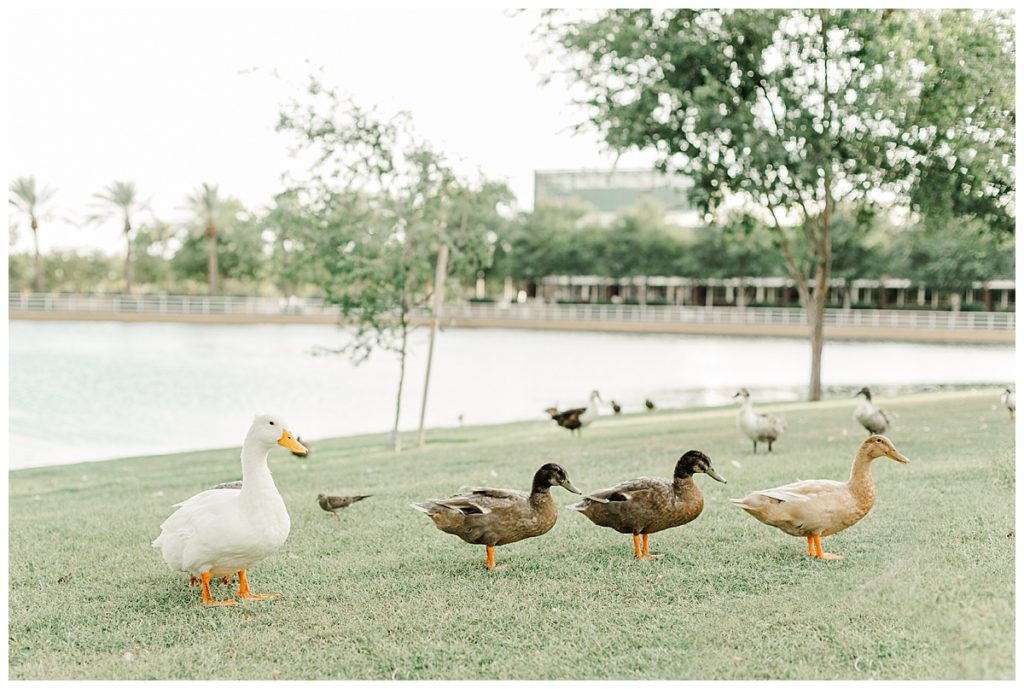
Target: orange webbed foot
820, 552
209, 600
245, 594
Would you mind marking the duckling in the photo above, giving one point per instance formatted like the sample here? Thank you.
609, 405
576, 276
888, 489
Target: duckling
647, 505
493, 516
615, 407
649, 404
576, 419
332, 503
812, 509
222, 532
763, 427
1009, 400
871, 417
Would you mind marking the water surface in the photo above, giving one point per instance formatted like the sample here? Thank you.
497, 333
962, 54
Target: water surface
96, 390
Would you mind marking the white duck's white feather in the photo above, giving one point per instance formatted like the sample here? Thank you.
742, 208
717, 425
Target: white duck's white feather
759, 427
224, 531
872, 417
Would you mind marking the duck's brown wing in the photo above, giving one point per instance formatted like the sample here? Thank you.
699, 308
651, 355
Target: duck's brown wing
231, 485
569, 416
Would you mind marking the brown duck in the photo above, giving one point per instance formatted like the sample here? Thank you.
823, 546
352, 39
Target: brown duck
647, 505
332, 503
494, 516
812, 509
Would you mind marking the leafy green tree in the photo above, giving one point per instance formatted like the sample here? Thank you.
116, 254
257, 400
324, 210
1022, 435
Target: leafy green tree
241, 252
735, 246
151, 249
552, 239
70, 271
211, 212
953, 259
290, 226
640, 242
30, 201
120, 200
792, 112
383, 201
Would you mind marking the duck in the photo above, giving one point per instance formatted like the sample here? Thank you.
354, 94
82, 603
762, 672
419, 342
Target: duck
816, 508
615, 407
332, 503
649, 404
647, 505
576, 419
763, 427
493, 516
875, 419
1009, 400
220, 532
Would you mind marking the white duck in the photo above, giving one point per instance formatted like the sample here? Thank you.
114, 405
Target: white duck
1009, 400
763, 427
871, 417
222, 532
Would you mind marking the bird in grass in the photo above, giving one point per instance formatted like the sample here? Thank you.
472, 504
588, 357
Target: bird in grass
1009, 400
217, 533
812, 509
649, 404
647, 505
332, 503
758, 427
875, 419
575, 419
493, 516
616, 408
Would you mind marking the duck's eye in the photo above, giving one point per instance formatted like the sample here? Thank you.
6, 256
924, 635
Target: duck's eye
271, 423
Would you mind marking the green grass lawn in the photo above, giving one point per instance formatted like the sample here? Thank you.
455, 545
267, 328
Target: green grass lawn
926, 590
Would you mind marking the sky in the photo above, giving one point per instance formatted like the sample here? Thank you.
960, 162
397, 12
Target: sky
173, 98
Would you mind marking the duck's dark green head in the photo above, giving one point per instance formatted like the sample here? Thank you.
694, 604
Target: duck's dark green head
696, 462
552, 475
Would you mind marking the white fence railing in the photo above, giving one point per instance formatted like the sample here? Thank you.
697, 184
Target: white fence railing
253, 306
731, 315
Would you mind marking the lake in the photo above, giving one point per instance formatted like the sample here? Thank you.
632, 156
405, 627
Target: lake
83, 391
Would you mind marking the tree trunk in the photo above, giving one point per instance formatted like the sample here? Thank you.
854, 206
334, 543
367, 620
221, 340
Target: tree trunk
39, 257
211, 256
396, 441
439, 276
128, 272
816, 316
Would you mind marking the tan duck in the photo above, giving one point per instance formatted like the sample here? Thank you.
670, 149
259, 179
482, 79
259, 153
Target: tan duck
494, 516
647, 505
812, 509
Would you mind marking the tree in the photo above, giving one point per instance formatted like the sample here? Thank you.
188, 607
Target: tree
240, 248
381, 201
211, 212
791, 112
31, 202
120, 199
935, 256
289, 225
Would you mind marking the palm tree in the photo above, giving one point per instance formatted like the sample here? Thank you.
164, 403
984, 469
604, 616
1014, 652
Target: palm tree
31, 202
120, 199
211, 212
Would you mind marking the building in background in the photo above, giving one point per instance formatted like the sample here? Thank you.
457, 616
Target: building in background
610, 192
